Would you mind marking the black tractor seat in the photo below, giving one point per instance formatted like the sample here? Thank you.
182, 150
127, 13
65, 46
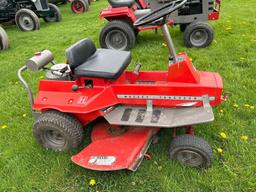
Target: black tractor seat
85, 60
121, 3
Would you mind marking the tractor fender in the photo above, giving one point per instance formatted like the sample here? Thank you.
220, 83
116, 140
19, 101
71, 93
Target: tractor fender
118, 13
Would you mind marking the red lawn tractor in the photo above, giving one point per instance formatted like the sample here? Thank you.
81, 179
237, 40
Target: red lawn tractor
192, 18
127, 108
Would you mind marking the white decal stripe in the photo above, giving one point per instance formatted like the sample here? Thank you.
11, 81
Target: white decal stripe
164, 97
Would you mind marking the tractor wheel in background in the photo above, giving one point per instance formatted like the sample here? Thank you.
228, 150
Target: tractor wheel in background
79, 6
58, 131
183, 26
55, 15
4, 42
27, 20
198, 34
191, 151
117, 35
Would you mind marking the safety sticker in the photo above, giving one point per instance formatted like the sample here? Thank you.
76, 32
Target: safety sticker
102, 160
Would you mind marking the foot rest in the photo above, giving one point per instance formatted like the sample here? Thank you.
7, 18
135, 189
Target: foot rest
159, 117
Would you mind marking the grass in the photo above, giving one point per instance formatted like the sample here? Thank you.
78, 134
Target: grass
25, 166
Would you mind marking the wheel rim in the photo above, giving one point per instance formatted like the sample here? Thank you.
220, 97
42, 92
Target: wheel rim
198, 37
116, 39
54, 138
26, 22
77, 7
190, 158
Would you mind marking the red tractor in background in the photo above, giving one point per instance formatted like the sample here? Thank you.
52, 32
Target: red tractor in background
127, 108
192, 17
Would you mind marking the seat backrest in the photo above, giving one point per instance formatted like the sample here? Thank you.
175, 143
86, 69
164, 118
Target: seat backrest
78, 53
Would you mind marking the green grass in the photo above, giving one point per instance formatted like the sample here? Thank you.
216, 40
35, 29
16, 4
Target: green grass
25, 166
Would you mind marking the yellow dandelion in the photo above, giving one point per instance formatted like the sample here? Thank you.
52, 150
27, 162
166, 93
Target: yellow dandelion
16, 83
242, 58
4, 126
223, 135
41, 77
191, 59
251, 107
235, 105
24, 115
219, 150
92, 182
246, 105
222, 111
244, 137
164, 44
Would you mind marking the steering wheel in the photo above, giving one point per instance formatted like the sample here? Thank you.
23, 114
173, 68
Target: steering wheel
159, 13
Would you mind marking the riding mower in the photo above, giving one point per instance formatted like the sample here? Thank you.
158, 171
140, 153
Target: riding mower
4, 42
27, 13
125, 108
192, 18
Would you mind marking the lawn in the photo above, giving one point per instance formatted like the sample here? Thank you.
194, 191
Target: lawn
25, 166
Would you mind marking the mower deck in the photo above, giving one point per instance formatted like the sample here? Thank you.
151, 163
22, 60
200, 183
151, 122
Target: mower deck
160, 117
109, 151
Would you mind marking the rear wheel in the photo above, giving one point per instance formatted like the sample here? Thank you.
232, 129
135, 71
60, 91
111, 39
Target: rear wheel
79, 6
4, 42
117, 35
54, 15
191, 151
198, 34
58, 131
27, 20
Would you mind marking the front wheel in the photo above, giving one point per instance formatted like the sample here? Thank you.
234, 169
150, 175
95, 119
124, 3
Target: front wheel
4, 42
191, 151
54, 14
27, 20
198, 34
79, 6
117, 35
58, 131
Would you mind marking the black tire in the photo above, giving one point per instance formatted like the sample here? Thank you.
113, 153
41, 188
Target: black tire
58, 131
4, 41
198, 34
79, 6
55, 16
191, 151
27, 20
117, 35
183, 27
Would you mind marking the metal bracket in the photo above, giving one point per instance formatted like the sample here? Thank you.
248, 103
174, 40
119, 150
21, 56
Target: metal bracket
206, 103
149, 106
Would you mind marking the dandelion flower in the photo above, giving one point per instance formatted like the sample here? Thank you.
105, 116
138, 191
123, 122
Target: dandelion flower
164, 44
221, 110
223, 135
4, 126
246, 105
244, 138
219, 150
92, 182
235, 105
41, 77
24, 115
251, 107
